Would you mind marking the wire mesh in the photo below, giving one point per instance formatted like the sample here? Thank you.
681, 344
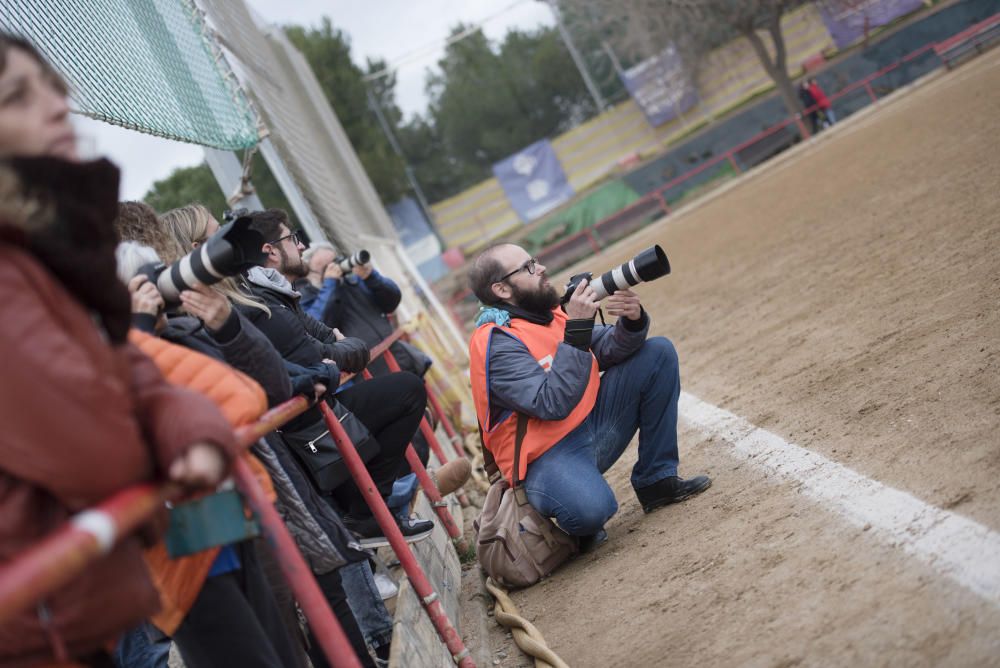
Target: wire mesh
305, 132
145, 65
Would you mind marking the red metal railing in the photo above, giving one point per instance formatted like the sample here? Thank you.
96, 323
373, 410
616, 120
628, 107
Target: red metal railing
658, 196
969, 34
414, 572
65, 554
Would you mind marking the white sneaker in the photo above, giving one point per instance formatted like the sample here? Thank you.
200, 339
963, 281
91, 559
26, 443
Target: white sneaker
386, 587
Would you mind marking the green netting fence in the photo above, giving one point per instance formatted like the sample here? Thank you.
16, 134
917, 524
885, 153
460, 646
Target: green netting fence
147, 65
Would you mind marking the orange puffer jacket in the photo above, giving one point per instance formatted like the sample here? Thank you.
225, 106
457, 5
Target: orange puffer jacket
242, 401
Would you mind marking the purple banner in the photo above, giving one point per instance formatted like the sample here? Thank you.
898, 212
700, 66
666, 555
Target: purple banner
850, 20
533, 180
661, 87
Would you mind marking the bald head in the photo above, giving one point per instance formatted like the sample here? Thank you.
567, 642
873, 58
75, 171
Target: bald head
487, 269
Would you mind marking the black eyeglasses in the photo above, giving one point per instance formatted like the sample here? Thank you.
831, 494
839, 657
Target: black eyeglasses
528, 266
294, 236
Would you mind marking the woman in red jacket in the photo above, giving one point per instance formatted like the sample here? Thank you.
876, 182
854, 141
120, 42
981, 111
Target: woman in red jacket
85, 413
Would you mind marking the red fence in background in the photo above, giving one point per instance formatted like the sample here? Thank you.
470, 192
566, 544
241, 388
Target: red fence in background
65, 554
655, 205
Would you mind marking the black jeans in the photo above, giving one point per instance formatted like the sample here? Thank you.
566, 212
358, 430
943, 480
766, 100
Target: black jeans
236, 622
391, 407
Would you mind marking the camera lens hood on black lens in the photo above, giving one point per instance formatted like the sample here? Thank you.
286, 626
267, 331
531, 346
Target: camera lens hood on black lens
651, 264
233, 249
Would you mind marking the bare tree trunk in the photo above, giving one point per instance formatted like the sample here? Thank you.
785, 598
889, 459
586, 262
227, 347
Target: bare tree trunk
777, 68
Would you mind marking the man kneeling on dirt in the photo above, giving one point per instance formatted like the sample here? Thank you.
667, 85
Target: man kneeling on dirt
531, 356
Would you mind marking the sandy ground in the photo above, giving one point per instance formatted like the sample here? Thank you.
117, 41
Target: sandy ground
847, 300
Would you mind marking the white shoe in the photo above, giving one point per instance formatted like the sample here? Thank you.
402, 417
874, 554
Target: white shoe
386, 587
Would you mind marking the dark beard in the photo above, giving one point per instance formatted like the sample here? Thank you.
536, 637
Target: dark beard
300, 270
540, 301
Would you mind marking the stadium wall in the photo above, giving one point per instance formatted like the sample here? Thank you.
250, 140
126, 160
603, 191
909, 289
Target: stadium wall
591, 151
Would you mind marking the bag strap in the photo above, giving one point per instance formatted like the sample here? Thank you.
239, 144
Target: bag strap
490, 464
522, 429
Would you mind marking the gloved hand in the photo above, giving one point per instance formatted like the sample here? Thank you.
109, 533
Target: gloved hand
350, 354
326, 374
303, 384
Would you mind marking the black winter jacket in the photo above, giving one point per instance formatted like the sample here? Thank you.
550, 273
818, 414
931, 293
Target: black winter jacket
297, 337
359, 308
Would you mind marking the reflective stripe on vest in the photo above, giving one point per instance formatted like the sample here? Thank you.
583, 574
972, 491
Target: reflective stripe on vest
542, 341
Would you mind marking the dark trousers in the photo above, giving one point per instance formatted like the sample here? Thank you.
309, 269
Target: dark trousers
236, 622
391, 407
333, 591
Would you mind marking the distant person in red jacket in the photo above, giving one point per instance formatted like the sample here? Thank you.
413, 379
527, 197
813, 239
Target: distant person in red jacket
823, 101
809, 108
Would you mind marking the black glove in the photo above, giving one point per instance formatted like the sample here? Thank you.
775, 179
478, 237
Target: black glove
305, 378
327, 374
350, 354
302, 383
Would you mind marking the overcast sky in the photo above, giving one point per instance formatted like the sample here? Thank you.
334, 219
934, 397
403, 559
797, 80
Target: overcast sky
389, 29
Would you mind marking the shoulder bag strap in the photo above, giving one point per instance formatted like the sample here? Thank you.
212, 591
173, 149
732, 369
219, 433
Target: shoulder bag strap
489, 464
522, 429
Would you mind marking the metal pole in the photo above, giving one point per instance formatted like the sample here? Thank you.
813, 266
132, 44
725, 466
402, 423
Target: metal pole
432, 492
295, 197
421, 585
228, 173
581, 66
398, 150
619, 70
425, 427
61, 556
428, 432
327, 630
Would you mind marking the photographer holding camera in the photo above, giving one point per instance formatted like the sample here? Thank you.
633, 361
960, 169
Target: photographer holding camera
530, 356
391, 408
347, 293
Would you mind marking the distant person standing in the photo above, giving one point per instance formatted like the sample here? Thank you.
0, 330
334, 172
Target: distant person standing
822, 101
809, 107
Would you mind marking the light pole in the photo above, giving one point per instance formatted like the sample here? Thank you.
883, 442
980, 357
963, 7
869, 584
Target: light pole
581, 66
398, 150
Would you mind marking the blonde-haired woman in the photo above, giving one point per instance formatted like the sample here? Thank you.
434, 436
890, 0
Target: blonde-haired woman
188, 227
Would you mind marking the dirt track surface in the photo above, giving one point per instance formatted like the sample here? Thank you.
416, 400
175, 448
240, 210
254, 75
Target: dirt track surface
846, 299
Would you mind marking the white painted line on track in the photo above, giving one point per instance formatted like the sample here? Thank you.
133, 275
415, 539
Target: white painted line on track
954, 546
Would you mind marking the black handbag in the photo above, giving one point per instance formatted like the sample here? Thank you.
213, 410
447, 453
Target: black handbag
316, 450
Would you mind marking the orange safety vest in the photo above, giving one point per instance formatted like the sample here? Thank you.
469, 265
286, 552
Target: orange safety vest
242, 401
542, 342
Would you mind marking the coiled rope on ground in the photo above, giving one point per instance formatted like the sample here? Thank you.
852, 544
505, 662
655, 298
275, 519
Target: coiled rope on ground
526, 635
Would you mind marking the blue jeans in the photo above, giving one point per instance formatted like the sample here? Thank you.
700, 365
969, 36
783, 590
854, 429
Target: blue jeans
142, 647
373, 619
567, 481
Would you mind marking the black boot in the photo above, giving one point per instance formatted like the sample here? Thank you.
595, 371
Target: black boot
670, 490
